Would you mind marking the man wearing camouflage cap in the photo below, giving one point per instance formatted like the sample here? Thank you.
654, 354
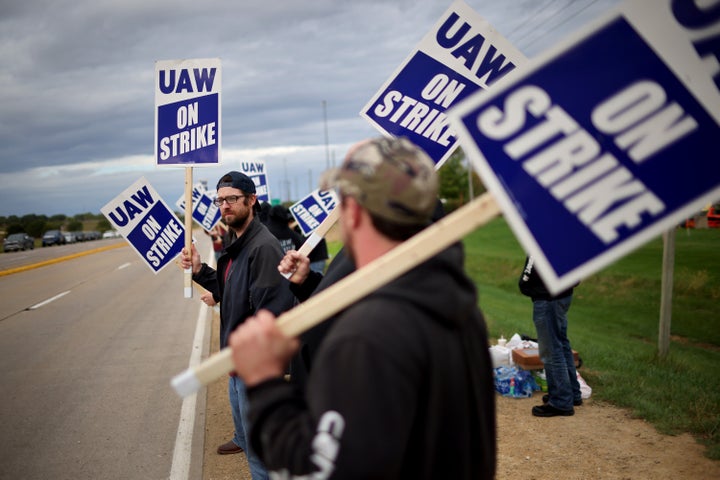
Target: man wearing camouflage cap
401, 386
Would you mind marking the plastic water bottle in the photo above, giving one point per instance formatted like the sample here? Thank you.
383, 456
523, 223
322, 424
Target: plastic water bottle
501, 341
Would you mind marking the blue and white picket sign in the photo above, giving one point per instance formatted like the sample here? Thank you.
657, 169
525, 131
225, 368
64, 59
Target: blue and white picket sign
147, 223
204, 212
460, 55
255, 169
310, 211
187, 112
604, 142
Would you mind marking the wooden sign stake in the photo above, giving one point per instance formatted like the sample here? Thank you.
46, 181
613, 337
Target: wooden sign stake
188, 290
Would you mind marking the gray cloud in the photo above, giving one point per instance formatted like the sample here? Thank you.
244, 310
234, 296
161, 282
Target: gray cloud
76, 83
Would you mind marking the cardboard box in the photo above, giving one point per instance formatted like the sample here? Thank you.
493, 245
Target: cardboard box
529, 359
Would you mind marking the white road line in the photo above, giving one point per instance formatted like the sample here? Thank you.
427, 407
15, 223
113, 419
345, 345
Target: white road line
180, 469
42, 304
124, 265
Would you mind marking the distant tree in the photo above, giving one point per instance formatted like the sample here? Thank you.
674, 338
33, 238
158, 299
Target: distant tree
35, 227
74, 226
86, 216
52, 226
454, 182
15, 228
59, 219
103, 225
31, 218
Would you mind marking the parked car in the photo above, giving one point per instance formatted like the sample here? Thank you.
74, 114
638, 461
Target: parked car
91, 235
110, 234
18, 241
70, 237
53, 237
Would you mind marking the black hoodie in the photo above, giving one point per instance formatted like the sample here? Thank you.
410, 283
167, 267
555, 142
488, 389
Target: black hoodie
531, 285
401, 387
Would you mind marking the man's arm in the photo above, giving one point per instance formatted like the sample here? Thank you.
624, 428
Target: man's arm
268, 289
355, 417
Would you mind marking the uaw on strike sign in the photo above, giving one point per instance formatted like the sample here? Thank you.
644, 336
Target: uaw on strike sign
256, 171
187, 117
311, 211
607, 141
147, 223
204, 211
460, 55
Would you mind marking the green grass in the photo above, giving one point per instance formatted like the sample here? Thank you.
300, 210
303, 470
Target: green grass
613, 324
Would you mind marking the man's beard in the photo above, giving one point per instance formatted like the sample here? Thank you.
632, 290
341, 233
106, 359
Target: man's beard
237, 221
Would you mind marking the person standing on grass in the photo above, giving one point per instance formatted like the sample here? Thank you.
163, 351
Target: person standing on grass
245, 281
401, 386
550, 319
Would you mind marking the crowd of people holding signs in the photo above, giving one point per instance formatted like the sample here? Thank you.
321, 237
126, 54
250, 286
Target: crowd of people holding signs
398, 382
383, 368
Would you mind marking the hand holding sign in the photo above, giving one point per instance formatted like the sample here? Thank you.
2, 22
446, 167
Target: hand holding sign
335, 298
520, 131
187, 123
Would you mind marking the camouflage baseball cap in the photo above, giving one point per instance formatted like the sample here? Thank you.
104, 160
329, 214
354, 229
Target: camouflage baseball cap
391, 177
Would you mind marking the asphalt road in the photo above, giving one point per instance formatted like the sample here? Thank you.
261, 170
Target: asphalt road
88, 346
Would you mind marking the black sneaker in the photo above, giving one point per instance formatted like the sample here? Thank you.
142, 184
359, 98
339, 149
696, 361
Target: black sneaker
548, 410
577, 402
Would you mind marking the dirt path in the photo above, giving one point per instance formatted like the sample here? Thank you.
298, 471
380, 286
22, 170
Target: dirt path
599, 442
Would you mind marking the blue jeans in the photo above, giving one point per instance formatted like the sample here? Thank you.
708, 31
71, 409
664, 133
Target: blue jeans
239, 406
318, 266
550, 318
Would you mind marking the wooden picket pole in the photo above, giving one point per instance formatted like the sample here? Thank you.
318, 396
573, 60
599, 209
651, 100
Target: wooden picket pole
320, 232
355, 286
188, 290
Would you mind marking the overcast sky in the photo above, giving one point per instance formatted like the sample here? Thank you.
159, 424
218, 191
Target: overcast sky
77, 84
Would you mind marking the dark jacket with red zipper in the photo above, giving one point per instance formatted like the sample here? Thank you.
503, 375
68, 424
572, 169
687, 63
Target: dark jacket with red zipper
247, 279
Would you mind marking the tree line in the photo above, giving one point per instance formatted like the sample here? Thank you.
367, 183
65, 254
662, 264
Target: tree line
455, 187
455, 191
36, 225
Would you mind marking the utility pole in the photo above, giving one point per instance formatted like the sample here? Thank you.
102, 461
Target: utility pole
668, 270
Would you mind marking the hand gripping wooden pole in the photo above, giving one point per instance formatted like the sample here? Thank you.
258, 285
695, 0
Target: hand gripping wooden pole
317, 235
337, 297
320, 232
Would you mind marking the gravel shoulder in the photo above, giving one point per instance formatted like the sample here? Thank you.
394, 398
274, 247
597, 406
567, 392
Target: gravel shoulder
599, 442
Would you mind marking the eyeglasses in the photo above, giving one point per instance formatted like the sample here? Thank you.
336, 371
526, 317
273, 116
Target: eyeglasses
230, 199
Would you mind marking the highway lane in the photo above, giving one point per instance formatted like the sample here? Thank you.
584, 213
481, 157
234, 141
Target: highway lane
9, 260
84, 378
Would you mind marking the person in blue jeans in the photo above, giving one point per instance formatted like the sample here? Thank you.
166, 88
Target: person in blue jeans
550, 319
245, 280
